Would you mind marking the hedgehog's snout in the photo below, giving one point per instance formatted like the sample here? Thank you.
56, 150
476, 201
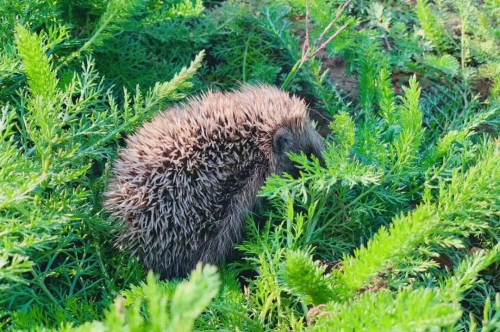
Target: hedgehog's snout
318, 149
285, 142
315, 149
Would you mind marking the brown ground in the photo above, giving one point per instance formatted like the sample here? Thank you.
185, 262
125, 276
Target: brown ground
336, 73
336, 66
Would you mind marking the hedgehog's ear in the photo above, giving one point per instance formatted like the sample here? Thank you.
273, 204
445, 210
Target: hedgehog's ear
282, 140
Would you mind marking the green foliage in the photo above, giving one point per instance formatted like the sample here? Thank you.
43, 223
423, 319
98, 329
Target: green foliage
375, 170
386, 98
189, 299
116, 13
409, 310
41, 76
446, 63
398, 230
466, 275
491, 316
389, 245
305, 279
431, 24
55, 140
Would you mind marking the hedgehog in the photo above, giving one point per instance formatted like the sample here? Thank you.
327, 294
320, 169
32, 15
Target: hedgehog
185, 180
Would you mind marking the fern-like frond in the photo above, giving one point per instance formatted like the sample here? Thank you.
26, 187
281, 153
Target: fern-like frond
306, 279
431, 25
42, 78
407, 310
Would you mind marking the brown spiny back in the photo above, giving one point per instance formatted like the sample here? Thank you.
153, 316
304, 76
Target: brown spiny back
185, 179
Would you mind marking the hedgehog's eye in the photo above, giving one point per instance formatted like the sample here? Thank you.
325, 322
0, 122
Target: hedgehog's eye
282, 141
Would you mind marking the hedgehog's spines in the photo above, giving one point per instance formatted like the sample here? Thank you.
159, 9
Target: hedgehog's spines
186, 178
